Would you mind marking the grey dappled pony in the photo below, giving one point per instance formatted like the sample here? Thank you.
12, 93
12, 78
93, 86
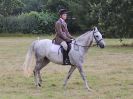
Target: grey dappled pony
45, 51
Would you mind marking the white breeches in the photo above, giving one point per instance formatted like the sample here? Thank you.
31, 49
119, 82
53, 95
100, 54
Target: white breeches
64, 45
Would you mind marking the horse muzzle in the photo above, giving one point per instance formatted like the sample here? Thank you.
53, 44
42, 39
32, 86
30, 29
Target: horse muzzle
101, 44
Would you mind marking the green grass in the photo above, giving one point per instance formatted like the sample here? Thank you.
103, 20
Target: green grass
22, 35
109, 72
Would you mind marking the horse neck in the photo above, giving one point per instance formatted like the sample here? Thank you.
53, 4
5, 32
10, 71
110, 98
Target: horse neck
85, 40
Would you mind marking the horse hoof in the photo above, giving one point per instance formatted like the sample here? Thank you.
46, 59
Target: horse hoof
39, 84
90, 90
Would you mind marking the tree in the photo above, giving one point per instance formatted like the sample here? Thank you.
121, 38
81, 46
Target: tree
34, 5
7, 6
113, 17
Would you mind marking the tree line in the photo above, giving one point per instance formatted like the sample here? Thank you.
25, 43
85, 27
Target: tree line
112, 17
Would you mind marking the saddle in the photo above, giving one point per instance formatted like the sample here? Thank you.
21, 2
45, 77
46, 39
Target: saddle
66, 60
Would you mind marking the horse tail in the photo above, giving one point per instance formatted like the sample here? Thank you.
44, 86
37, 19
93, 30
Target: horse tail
28, 60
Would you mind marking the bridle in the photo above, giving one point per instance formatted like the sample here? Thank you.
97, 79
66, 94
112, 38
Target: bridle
97, 41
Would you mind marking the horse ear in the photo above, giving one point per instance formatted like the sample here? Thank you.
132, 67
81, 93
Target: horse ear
94, 28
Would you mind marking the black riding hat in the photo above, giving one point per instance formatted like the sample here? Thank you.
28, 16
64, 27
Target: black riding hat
63, 11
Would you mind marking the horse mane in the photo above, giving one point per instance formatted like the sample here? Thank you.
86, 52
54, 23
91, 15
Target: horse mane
81, 37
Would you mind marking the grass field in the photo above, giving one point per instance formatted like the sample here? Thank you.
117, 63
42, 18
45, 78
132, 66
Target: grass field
109, 72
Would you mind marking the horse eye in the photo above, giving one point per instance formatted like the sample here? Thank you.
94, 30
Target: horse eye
97, 36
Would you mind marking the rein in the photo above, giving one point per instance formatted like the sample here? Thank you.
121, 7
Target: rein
78, 44
96, 39
88, 46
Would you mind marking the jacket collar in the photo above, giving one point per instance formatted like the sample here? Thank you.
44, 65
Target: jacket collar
62, 22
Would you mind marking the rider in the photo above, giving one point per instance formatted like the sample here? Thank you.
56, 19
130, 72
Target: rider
63, 36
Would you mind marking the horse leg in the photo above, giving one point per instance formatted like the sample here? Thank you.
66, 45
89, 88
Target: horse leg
69, 75
36, 73
45, 62
39, 65
84, 77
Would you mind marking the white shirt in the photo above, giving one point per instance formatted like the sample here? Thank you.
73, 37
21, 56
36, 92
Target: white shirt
62, 20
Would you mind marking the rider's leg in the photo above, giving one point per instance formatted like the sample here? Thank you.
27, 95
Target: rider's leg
64, 45
65, 52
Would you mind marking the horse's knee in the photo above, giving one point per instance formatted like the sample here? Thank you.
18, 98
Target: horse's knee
35, 71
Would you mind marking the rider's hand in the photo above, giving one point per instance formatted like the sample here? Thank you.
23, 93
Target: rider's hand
70, 41
73, 39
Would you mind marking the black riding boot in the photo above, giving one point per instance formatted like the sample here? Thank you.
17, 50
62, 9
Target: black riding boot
66, 60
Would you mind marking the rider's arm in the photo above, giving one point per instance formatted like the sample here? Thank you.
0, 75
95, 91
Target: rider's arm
60, 32
68, 34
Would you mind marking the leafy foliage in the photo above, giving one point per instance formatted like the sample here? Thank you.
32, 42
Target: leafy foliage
8, 6
113, 17
32, 22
